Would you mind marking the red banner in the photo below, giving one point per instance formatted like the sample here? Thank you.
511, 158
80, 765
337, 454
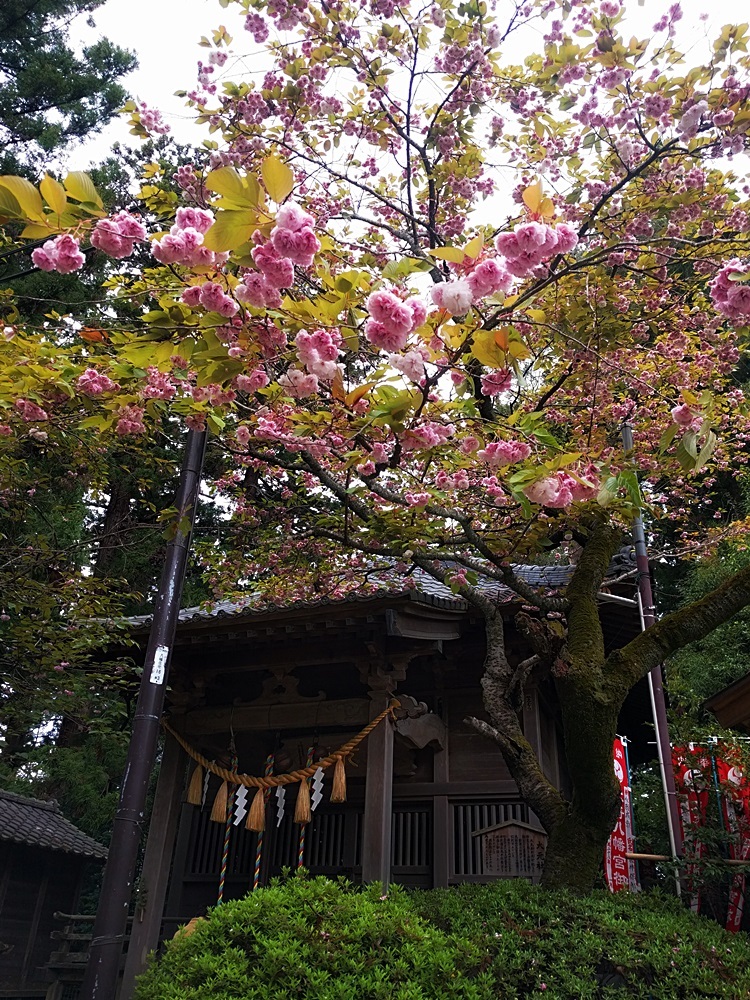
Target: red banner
692, 772
735, 808
619, 870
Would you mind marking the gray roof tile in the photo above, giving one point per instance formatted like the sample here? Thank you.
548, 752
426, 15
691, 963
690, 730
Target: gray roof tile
41, 824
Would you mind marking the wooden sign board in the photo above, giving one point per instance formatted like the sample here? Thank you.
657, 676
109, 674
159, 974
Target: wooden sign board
512, 850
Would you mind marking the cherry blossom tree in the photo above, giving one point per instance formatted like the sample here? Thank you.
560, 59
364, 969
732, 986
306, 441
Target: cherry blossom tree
414, 302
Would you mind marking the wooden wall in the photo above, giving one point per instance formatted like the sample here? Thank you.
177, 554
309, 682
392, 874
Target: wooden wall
34, 883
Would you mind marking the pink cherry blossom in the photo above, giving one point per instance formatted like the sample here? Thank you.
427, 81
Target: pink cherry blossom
116, 236
682, 415
386, 308
496, 382
488, 278
130, 421
455, 297
318, 352
62, 254
257, 379
410, 364
255, 290
298, 384
290, 216
278, 271
200, 219
382, 336
299, 246
499, 453
94, 383
30, 411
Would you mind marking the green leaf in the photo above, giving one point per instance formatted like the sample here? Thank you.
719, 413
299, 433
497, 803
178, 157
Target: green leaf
79, 185
278, 178
230, 230
27, 196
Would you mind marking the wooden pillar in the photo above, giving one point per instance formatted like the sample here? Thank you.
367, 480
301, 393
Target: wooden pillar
442, 827
376, 836
157, 860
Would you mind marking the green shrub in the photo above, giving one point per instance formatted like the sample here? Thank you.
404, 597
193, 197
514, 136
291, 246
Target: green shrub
319, 940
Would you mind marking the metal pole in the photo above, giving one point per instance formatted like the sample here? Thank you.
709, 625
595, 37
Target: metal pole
102, 970
656, 687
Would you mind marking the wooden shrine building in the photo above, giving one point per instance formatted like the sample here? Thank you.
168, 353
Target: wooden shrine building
303, 679
42, 862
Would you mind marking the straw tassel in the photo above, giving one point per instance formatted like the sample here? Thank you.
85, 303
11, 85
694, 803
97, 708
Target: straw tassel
338, 792
302, 814
195, 788
219, 811
256, 817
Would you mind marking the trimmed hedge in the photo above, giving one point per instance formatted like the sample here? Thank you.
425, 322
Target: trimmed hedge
319, 940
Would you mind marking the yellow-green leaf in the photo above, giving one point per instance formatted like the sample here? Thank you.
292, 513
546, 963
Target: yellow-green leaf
533, 196
474, 247
35, 231
453, 254
27, 196
8, 204
54, 194
240, 191
278, 178
79, 185
230, 230
486, 349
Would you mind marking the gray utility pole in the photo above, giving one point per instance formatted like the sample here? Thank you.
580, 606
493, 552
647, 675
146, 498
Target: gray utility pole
100, 981
655, 682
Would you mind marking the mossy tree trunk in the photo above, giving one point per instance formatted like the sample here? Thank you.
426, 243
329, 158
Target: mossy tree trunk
591, 687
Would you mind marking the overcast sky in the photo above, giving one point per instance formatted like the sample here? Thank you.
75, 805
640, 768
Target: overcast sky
165, 33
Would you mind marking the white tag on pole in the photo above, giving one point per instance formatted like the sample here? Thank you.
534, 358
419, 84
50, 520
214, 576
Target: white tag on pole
159, 667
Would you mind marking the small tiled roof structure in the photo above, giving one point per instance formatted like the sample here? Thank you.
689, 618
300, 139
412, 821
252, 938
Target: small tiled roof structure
426, 590
41, 824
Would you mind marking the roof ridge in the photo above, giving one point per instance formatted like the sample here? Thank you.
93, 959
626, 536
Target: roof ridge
50, 805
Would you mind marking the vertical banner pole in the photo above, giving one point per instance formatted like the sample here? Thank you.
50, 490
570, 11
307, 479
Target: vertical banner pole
656, 688
102, 970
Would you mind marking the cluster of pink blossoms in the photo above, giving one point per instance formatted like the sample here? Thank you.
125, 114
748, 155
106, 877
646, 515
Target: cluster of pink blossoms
319, 352
427, 435
184, 242
257, 379
159, 385
499, 453
560, 490
212, 297
533, 243
116, 236
293, 241
293, 236
62, 254
130, 421
95, 383
392, 320
488, 278
30, 411
496, 382
730, 290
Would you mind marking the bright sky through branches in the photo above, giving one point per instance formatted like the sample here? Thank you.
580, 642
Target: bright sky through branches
168, 51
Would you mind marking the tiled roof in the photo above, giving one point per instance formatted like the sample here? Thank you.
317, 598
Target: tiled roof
41, 824
428, 590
